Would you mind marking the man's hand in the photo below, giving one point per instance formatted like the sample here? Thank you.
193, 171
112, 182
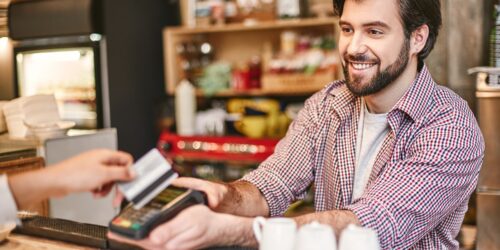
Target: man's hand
238, 198
216, 192
197, 227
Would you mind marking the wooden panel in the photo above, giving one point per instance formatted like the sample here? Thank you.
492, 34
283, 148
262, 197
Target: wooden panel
465, 46
437, 61
24, 165
3, 17
488, 221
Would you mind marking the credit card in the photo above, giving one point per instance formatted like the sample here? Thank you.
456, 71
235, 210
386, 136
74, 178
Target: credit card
153, 175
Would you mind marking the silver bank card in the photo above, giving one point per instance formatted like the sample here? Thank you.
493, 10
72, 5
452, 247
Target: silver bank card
153, 175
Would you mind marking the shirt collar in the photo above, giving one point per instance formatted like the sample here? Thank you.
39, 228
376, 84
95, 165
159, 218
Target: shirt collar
342, 95
415, 101
410, 103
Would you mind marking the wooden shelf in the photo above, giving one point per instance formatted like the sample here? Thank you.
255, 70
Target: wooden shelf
256, 92
279, 24
236, 44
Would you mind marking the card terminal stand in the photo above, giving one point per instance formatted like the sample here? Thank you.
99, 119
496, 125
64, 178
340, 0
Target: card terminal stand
136, 224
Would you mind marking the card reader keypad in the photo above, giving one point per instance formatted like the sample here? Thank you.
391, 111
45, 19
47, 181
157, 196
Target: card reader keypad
134, 219
138, 223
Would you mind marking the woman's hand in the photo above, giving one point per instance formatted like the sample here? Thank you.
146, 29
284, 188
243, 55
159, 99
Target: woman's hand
94, 171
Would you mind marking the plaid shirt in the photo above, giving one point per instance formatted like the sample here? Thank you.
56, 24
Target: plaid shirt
421, 180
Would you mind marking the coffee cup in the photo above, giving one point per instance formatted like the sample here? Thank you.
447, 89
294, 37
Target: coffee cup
315, 236
275, 233
355, 237
254, 126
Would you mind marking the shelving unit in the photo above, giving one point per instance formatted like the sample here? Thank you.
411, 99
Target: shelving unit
236, 43
208, 156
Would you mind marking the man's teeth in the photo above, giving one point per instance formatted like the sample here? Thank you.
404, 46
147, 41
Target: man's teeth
361, 66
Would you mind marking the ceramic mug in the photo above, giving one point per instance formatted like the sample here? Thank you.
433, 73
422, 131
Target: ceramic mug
275, 233
315, 236
254, 126
354, 237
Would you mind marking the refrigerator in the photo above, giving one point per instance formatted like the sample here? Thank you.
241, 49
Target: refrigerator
60, 48
488, 189
68, 68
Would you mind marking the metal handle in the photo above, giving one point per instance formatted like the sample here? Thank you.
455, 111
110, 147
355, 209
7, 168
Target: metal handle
488, 191
492, 94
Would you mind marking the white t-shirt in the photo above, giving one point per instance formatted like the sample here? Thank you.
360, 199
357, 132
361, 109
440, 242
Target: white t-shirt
8, 208
372, 129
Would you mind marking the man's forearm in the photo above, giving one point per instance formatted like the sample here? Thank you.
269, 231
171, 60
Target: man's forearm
243, 199
238, 231
338, 219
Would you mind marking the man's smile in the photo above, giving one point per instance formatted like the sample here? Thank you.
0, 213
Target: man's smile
361, 66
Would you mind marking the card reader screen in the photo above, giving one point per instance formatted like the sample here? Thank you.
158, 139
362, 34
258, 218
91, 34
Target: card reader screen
168, 195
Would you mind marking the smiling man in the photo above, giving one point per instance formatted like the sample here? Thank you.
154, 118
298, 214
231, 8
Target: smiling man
387, 148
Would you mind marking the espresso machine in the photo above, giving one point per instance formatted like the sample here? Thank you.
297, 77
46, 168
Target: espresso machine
488, 188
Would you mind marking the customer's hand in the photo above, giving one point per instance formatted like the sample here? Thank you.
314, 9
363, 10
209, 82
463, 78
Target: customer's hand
95, 171
194, 228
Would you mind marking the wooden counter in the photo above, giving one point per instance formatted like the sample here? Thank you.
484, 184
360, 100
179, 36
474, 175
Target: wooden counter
24, 242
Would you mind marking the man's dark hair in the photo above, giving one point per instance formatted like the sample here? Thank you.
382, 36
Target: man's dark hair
414, 13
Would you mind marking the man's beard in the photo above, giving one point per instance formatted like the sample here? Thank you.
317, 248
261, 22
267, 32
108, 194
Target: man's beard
381, 79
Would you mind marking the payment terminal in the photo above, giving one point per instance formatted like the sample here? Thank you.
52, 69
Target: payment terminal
137, 223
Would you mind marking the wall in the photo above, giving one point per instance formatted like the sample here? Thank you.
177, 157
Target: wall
6, 69
135, 68
462, 44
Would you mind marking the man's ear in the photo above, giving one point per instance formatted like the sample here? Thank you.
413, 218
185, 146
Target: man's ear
419, 38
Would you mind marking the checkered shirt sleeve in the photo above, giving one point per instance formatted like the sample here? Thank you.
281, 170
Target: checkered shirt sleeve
285, 175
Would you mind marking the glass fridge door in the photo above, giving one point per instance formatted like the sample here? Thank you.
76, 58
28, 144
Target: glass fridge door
69, 74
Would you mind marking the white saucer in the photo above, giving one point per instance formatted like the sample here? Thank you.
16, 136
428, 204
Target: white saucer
5, 230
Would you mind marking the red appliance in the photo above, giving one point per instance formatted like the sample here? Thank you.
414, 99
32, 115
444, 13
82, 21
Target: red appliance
223, 158
221, 148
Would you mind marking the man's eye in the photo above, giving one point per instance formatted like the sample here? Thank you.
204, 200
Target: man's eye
346, 30
376, 32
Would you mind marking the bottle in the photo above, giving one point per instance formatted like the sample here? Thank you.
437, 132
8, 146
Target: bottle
288, 41
288, 8
495, 39
255, 72
185, 108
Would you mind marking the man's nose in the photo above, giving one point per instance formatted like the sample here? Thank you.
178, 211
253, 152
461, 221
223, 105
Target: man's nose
356, 45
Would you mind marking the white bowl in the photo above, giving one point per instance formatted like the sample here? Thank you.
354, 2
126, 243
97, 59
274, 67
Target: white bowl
5, 230
45, 131
3, 125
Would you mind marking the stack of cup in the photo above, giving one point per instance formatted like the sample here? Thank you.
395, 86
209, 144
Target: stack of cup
275, 233
281, 233
14, 117
25, 114
354, 238
315, 236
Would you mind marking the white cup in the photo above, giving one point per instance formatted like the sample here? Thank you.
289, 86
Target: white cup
275, 233
354, 238
315, 236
